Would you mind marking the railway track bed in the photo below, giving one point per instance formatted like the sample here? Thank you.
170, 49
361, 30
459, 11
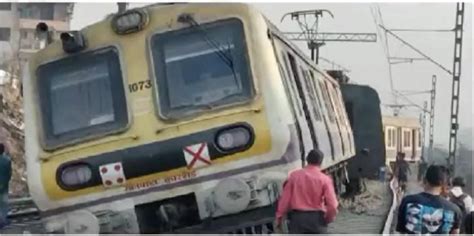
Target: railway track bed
353, 219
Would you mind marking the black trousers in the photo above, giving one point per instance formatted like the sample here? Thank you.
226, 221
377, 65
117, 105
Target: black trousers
307, 222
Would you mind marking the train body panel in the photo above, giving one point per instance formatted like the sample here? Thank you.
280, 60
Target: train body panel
139, 158
363, 108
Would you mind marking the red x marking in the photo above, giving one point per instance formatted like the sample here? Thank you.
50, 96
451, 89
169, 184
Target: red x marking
196, 155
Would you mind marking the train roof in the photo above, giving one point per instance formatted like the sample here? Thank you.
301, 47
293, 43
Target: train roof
408, 122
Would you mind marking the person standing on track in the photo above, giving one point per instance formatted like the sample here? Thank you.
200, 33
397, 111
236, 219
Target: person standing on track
309, 198
421, 169
402, 171
429, 212
5, 175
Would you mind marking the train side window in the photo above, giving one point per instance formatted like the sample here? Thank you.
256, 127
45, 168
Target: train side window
286, 82
290, 81
327, 101
388, 137
332, 101
394, 137
350, 113
337, 102
317, 93
406, 138
409, 138
312, 94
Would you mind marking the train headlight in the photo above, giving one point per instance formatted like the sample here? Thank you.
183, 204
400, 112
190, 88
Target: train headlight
75, 175
130, 21
233, 138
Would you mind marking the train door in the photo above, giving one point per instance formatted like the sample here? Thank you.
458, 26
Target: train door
304, 95
336, 105
331, 119
296, 100
345, 119
322, 133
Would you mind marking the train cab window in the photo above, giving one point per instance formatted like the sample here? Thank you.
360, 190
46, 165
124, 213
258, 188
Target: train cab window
201, 67
82, 96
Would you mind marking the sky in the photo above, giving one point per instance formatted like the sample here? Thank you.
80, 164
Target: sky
366, 62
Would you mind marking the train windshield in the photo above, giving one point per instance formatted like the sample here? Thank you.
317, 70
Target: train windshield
82, 96
202, 67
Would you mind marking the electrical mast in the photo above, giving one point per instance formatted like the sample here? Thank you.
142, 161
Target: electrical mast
423, 125
308, 21
458, 32
432, 113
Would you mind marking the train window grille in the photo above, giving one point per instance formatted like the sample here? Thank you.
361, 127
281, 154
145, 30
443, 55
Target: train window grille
291, 83
390, 137
209, 64
312, 94
394, 137
316, 92
304, 98
82, 96
337, 104
406, 139
327, 102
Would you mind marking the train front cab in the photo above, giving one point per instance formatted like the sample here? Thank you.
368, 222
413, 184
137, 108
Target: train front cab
169, 165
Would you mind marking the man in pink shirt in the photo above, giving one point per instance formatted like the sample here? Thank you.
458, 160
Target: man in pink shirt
309, 198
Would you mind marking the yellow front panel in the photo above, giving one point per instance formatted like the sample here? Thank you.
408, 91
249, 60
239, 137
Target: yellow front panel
146, 127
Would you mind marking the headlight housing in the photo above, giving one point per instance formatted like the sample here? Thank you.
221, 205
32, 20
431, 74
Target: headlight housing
75, 175
130, 21
234, 138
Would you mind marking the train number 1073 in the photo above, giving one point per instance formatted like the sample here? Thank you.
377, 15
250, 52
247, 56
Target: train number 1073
139, 86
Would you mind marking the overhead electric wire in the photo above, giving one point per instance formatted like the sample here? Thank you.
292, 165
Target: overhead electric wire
377, 15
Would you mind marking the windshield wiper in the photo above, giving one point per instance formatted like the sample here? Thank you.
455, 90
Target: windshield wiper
233, 95
187, 18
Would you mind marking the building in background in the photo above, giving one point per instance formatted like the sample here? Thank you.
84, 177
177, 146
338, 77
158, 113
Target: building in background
18, 23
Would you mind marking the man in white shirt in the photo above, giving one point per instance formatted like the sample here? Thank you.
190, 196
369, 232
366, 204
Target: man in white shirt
458, 197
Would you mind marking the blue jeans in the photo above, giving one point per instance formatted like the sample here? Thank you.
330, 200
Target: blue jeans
3, 209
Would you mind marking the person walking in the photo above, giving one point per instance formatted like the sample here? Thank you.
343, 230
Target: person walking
458, 197
428, 212
5, 175
421, 169
402, 171
308, 198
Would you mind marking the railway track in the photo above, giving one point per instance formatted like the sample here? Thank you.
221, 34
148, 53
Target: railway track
25, 215
23, 211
